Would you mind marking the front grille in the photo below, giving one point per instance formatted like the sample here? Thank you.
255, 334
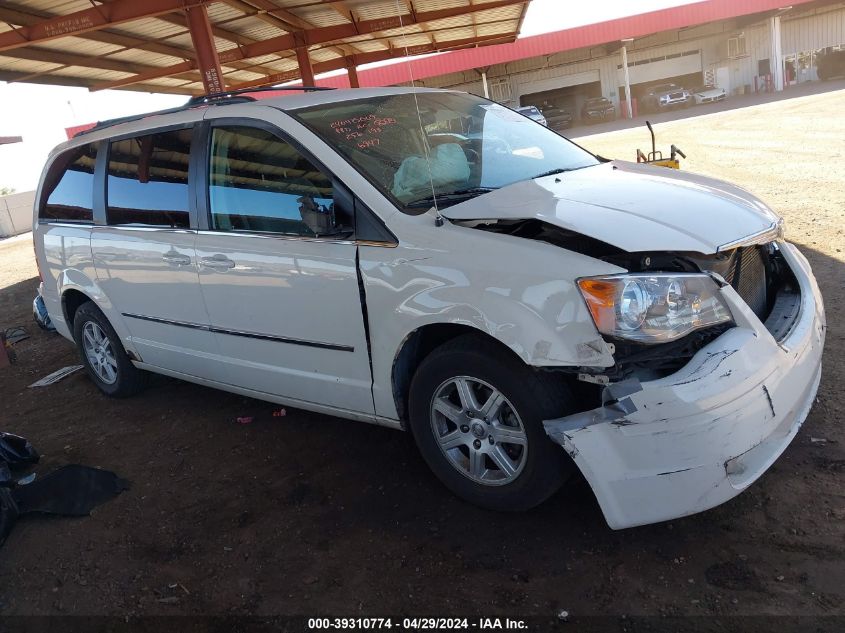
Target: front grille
748, 278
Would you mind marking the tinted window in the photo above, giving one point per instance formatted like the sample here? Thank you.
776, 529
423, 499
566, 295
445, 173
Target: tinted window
258, 182
68, 187
148, 180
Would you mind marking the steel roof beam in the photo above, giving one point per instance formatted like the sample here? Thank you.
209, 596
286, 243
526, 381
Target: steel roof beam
376, 56
154, 73
63, 80
95, 18
207, 58
14, 15
386, 38
322, 35
280, 18
70, 59
264, 9
30, 17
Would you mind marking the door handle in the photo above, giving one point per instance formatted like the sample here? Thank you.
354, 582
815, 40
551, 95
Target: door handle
177, 259
218, 262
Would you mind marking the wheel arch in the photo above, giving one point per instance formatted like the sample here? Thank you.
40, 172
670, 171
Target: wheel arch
76, 291
419, 344
71, 300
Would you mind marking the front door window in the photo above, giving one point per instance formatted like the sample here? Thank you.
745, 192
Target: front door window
260, 183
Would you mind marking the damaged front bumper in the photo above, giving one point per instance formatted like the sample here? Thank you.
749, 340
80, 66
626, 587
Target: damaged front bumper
690, 441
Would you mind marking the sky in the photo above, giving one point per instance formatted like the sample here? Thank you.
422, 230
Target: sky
40, 113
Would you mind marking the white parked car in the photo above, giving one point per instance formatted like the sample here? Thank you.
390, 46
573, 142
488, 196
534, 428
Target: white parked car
522, 306
708, 94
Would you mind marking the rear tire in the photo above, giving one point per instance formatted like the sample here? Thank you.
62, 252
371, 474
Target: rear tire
498, 457
103, 355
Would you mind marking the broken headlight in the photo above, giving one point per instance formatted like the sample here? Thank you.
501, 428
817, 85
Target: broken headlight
653, 308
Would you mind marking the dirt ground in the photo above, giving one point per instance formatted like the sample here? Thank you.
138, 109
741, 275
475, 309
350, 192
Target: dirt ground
307, 514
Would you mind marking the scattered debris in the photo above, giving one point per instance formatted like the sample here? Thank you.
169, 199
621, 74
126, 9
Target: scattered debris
15, 335
8, 513
7, 355
247, 419
169, 600
71, 490
39, 313
16, 451
563, 615
56, 376
818, 440
279, 413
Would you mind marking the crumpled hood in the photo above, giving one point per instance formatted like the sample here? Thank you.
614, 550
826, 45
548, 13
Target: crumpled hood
630, 206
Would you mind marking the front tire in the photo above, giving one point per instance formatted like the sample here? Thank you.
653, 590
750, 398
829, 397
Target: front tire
103, 355
476, 414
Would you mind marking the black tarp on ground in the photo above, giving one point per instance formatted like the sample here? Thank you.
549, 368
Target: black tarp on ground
71, 490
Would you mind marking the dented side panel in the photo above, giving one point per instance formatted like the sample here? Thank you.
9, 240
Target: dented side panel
520, 292
694, 439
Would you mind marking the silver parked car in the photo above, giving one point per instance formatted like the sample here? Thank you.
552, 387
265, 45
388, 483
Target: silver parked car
433, 261
665, 97
533, 113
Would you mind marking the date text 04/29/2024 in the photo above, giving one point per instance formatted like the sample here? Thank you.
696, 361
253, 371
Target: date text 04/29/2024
417, 624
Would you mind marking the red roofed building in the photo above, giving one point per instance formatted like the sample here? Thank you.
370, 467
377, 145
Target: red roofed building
736, 45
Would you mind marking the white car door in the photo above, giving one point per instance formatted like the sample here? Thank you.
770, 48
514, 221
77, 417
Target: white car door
278, 270
144, 251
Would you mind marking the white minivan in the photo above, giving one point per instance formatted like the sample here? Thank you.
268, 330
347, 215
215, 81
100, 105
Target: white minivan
432, 261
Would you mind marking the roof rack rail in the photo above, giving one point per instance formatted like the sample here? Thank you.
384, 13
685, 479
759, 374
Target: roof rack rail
229, 94
218, 98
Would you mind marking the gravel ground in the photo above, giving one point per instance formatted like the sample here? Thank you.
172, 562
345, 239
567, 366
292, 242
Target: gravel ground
306, 514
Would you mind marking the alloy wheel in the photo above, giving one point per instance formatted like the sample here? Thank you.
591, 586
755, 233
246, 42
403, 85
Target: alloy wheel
99, 352
479, 431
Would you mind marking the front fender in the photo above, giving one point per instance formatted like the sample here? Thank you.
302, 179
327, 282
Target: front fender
520, 292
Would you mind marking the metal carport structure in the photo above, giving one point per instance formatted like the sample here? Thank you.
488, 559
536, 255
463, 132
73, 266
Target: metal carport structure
208, 46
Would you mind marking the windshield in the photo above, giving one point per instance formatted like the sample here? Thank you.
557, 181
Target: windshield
459, 145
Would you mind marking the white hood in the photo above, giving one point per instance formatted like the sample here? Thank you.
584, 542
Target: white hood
630, 206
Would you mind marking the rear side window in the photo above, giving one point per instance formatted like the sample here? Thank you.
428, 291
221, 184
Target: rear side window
69, 186
258, 182
147, 180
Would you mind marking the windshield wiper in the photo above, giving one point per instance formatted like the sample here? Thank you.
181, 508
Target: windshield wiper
559, 170
451, 197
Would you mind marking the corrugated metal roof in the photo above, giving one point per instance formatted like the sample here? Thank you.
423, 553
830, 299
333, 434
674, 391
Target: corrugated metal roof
141, 42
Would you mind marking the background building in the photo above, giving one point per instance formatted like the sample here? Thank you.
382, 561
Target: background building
740, 46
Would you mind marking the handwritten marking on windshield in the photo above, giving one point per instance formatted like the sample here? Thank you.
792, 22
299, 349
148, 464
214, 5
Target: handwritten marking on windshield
363, 130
